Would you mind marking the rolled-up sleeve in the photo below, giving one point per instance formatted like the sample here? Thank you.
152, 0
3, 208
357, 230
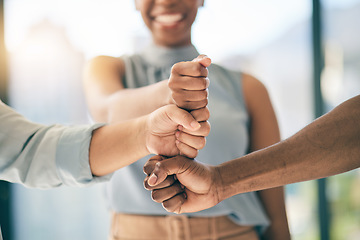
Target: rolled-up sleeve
72, 156
42, 156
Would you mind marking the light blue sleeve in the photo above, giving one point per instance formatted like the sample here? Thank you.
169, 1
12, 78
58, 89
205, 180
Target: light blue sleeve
42, 156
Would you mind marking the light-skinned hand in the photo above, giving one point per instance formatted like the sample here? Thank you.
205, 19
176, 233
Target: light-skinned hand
171, 131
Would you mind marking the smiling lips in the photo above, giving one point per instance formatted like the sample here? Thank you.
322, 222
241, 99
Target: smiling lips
169, 19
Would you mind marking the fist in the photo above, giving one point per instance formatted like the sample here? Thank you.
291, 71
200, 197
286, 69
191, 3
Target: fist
189, 83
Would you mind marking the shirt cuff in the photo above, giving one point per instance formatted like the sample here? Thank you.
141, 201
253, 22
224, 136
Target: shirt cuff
72, 157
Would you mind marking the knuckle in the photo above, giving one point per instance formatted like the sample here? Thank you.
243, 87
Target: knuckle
206, 72
207, 131
186, 105
178, 97
204, 83
172, 206
196, 69
147, 168
195, 105
146, 185
171, 82
207, 127
158, 165
201, 95
206, 113
206, 101
182, 104
203, 103
167, 206
207, 82
194, 153
175, 68
202, 143
155, 196
205, 93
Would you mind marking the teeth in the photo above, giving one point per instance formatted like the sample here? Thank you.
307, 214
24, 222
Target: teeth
168, 18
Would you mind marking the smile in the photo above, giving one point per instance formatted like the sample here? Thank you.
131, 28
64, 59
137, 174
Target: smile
169, 19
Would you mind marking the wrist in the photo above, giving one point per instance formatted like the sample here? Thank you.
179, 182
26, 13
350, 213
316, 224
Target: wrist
166, 91
231, 181
143, 133
218, 183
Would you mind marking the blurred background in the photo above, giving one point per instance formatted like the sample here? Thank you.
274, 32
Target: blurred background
47, 43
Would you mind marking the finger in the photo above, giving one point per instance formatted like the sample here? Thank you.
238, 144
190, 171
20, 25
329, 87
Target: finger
193, 69
182, 117
193, 105
150, 164
203, 59
174, 204
190, 96
186, 150
161, 195
202, 114
197, 142
189, 83
167, 167
204, 130
169, 180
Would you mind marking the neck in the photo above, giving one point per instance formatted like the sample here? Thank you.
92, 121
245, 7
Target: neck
168, 42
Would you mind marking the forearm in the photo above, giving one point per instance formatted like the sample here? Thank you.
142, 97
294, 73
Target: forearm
118, 145
110, 101
328, 146
136, 102
42, 156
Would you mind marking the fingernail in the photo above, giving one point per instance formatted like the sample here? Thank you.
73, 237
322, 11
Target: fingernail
195, 124
152, 179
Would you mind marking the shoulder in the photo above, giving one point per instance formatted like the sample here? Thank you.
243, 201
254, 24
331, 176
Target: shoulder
255, 92
253, 85
104, 62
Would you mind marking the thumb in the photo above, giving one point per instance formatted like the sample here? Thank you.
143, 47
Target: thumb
183, 117
168, 167
203, 60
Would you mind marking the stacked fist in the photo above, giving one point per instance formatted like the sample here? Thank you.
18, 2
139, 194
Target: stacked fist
166, 176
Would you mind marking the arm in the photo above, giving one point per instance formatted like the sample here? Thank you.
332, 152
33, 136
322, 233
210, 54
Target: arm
107, 98
109, 101
326, 147
48, 156
43, 156
118, 145
264, 131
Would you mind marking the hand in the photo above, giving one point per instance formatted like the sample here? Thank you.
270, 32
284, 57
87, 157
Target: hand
172, 131
194, 188
188, 83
